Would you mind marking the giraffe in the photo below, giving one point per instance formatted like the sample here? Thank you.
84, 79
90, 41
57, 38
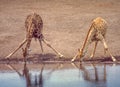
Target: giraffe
34, 29
95, 34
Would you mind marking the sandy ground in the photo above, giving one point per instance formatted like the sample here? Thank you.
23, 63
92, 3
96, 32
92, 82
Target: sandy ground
66, 23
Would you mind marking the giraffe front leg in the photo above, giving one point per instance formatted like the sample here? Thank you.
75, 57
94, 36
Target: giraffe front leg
93, 53
107, 50
21, 44
59, 54
73, 59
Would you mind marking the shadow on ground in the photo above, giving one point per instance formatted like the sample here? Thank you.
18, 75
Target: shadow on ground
52, 58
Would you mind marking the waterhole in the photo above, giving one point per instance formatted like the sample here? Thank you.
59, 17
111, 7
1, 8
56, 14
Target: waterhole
60, 75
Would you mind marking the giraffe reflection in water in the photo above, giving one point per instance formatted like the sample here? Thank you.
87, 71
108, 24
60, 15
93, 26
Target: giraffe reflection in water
38, 79
37, 82
92, 73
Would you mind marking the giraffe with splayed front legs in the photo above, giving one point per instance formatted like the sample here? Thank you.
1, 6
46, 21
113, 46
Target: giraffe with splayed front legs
34, 28
95, 34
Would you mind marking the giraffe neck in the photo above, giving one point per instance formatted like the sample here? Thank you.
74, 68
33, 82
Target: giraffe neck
87, 40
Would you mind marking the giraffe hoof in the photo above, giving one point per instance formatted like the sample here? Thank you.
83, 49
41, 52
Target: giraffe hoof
114, 60
7, 57
61, 56
81, 60
91, 56
72, 60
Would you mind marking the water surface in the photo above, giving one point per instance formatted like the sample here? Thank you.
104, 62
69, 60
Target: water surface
62, 75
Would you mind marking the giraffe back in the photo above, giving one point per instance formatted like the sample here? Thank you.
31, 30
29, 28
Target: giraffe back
34, 26
98, 26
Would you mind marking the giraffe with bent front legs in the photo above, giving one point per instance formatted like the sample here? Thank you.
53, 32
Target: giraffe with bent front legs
95, 34
34, 28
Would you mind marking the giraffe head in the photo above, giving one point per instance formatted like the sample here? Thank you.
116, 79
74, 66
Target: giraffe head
80, 53
24, 52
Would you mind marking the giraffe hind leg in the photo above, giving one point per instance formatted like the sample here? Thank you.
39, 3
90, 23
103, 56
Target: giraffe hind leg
94, 50
107, 49
40, 41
